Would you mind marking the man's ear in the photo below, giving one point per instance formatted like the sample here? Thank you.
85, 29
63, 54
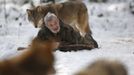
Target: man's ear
58, 20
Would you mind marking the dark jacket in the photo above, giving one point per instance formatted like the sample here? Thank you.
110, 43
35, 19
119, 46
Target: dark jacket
68, 37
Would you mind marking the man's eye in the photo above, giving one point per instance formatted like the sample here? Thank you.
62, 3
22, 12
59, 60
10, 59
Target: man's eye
51, 25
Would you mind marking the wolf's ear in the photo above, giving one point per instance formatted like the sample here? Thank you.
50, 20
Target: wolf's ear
39, 9
29, 11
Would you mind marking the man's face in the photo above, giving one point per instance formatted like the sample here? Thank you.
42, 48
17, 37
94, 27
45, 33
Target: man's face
53, 25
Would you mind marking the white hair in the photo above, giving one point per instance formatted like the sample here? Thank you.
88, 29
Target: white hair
49, 17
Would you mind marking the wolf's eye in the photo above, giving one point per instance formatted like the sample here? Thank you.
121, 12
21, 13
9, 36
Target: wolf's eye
31, 18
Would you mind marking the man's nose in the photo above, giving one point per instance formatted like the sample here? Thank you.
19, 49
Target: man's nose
53, 25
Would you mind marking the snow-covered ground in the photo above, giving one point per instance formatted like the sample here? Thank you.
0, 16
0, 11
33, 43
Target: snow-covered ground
112, 25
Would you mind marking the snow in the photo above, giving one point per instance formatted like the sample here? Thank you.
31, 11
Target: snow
112, 25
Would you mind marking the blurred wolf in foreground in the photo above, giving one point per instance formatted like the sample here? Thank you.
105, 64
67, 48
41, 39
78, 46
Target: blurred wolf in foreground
104, 67
38, 60
73, 13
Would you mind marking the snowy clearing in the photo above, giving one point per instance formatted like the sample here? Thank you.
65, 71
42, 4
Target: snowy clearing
112, 26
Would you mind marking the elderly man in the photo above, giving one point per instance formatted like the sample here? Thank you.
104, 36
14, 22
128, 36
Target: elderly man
69, 38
